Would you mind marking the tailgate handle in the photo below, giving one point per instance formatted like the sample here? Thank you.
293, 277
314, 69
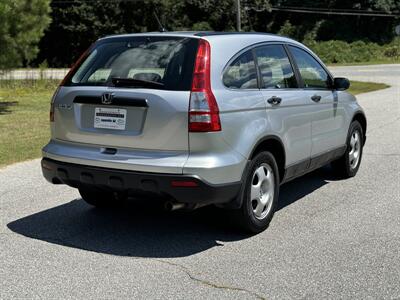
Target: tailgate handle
110, 151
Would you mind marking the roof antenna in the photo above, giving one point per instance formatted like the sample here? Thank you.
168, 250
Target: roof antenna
161, 27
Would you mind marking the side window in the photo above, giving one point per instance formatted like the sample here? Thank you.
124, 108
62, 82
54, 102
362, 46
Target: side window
314, 76
276, 71
241, 73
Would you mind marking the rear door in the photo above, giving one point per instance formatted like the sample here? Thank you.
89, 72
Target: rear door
288, 111
328, 118
129, 93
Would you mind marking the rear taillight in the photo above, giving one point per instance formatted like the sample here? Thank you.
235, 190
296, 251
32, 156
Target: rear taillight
203, 108
51, 112
52, 104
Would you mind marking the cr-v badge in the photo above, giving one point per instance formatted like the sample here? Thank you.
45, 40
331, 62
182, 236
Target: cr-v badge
64, 106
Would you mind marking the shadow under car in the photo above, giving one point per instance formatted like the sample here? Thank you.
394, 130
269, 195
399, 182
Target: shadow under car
142, 228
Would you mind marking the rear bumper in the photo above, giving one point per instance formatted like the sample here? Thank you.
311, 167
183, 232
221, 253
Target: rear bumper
134, 182
221, 166
170, 162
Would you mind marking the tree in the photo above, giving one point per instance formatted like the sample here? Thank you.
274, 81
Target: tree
22, 24
78, 23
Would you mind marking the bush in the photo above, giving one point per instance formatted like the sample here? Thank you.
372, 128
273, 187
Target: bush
200, 26
392, 50
342, 52
288, 30
333, 51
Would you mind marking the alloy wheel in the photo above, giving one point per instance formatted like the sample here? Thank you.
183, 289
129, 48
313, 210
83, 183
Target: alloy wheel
355, 149
262, 191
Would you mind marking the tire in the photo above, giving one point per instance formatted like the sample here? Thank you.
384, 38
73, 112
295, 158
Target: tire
347, 166
98, 197
258, 198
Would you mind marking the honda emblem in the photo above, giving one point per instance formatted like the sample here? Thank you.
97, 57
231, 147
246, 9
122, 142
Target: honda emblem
106, 98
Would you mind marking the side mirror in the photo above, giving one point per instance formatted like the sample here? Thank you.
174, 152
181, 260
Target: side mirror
341, 83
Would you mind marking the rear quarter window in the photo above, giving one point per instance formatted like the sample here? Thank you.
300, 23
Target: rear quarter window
241, 73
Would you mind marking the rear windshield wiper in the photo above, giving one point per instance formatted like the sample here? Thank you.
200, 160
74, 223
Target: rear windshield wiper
131, 82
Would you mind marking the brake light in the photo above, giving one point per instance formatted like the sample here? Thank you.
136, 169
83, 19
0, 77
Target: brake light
51, 112
203, 108
52, 104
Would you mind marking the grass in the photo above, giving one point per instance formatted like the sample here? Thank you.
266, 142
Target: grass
24, 119
24, 116
358, 87
365, 63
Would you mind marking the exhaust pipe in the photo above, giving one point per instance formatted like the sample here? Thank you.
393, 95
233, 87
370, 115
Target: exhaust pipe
171, 206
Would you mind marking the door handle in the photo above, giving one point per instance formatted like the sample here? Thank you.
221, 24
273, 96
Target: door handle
274, 100
316, 98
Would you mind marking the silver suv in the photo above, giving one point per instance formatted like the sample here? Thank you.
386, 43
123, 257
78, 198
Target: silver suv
200, 118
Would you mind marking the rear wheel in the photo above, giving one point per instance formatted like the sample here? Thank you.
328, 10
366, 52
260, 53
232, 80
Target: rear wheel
348, 165
98, 197
260, 192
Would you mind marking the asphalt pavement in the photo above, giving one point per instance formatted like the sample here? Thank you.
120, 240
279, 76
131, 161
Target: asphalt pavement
330, 238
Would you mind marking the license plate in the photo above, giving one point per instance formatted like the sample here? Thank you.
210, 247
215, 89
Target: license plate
110, 118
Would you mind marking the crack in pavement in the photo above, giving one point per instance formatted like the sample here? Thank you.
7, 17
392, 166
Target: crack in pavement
209, 283
62, 242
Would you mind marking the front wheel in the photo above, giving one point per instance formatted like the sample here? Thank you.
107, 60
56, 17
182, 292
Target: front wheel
348, 165
260, 192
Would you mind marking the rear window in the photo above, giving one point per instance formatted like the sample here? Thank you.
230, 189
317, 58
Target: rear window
167, 61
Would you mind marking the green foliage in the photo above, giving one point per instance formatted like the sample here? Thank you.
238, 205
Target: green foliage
24, 118
331, 27
22, 23
201, 26
288, 30
78, 23
359, 87
386, 5
342, 52
392, 50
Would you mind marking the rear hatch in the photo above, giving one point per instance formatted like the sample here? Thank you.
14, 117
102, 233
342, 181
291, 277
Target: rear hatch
129, 92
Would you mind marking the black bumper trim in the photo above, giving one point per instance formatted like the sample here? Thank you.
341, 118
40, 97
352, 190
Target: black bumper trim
134, 182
